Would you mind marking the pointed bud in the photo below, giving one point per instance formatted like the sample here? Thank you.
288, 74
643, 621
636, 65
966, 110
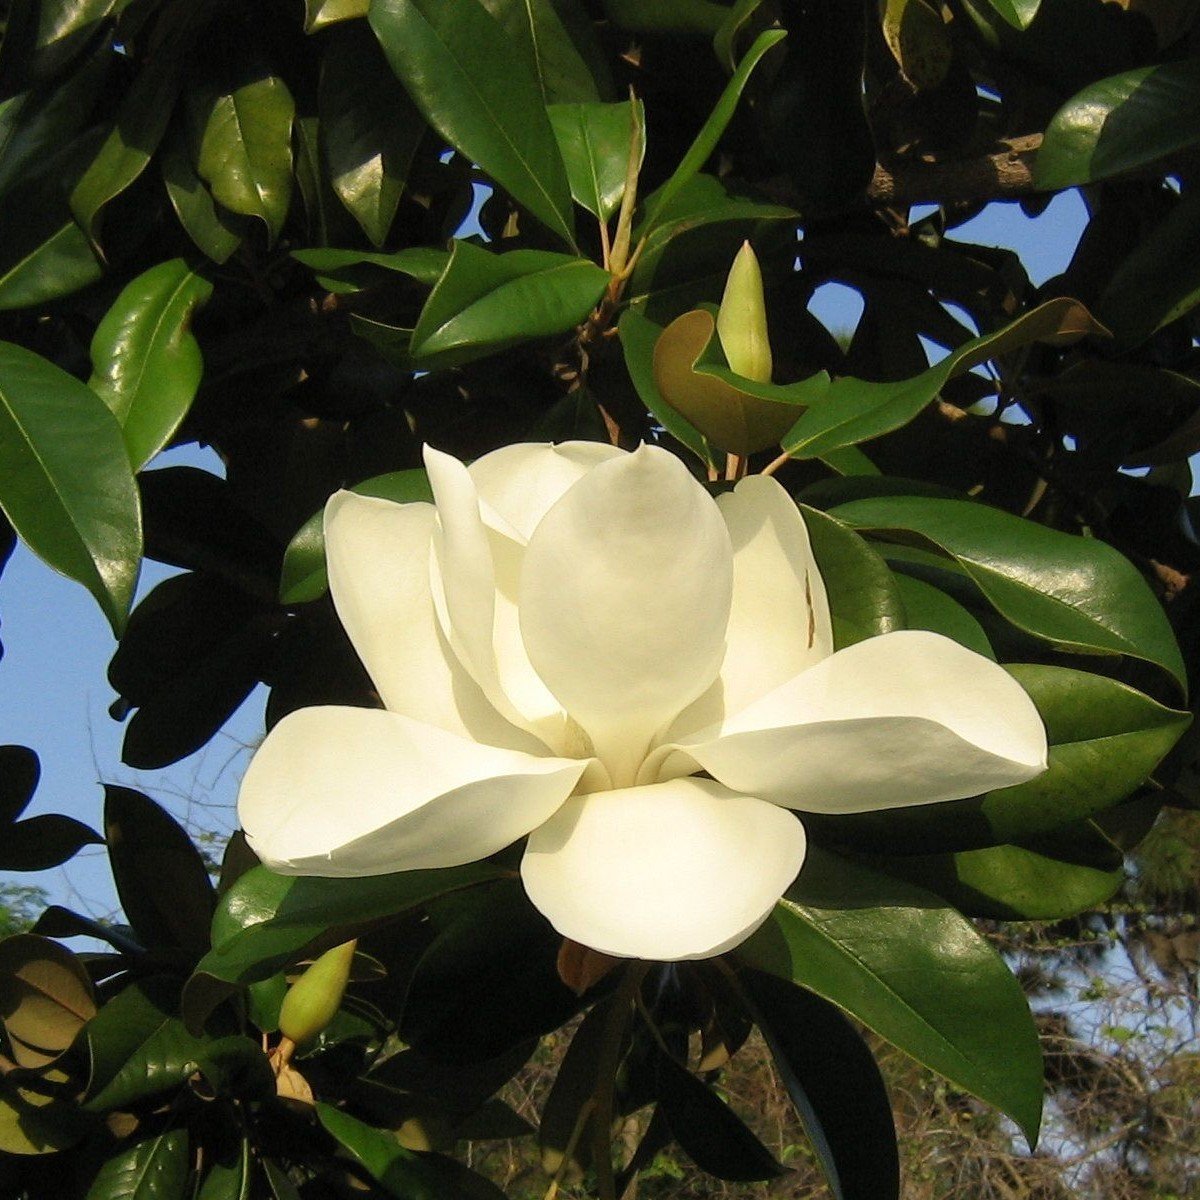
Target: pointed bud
742, 319
313, 1000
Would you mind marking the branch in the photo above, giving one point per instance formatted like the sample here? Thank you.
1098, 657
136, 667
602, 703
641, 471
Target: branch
1002, 174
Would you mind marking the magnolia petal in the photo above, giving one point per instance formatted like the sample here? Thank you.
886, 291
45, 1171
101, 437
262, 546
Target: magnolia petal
678, 870
624, 600
358, 791
377, 553
779, 623
522, 482
905, 718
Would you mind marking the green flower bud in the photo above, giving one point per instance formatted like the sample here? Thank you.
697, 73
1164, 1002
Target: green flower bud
313, 1000
742, 319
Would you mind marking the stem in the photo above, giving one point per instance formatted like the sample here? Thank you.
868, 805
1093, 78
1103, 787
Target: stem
775, 464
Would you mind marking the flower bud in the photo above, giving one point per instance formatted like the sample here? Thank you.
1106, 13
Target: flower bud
742, 319
313, 1000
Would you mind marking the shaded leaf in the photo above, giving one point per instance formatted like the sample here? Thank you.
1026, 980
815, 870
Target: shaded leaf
161, 879
320, 13
928, 607
65, 482
835, 1085
146, 363
458, 65
369, 129
211, 227
34, 1120
155, 1168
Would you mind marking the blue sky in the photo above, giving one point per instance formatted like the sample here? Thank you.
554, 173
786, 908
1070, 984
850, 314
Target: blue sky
54, 695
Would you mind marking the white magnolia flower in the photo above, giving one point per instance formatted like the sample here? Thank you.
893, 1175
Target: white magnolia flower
580, 644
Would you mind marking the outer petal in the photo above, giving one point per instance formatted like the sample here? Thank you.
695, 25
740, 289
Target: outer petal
624, 601
684, 869
905, 718
522, 482
378, 557
779, 624
357, 791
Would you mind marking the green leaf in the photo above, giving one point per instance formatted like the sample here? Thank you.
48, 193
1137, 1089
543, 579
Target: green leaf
146, 364
835, 1085
351, 270
1121, 123
303, 576
45, 998
139, 1047
667, 16
369, 129
638, 337
139, 127
594, 140
212, 227
536, 27
405, 1174
1077, 593
928, 607
267, 921
161, 879
864, 596
909, 967
65, 482
231, 1178
1159, 280
320, 13
155, 1168
710, 133
854, 410
245, 151
485, 302
36, 1118
460, 69
63, 263
1018, 13
1014, 883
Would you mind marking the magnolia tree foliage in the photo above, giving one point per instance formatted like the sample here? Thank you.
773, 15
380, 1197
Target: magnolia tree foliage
785, 567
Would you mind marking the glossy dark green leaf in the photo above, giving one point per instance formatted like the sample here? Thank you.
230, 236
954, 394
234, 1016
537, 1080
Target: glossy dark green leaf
303, 576
138, 1045
855, 410
146, 363
486, 302
708, 1130
154, 1168
835, 1085
1018, 13
907, 965
230, 1178
1016, 883
65, 482
369, 129
536, 27
1120, 124
864, 597
928, 607
213, 229
405, 1174
320, 13
706, 140
1159, 280
594, 140
461, 70
161, 879
62, 263
267, 921
1078, 593
245, 149
139, 127
638, 337
350, 270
